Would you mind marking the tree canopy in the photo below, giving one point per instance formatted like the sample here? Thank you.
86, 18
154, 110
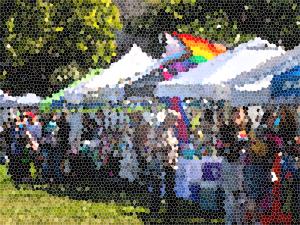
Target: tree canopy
55, 41
46, 44
229, 22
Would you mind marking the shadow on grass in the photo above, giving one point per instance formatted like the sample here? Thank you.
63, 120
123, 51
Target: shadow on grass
133, 197
137, 201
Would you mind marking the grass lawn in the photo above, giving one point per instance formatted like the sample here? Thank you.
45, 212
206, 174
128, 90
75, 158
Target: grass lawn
27, 206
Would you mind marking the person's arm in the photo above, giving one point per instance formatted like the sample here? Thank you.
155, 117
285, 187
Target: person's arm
32, 141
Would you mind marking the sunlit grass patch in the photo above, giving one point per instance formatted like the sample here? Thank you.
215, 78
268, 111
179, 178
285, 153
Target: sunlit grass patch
27, 206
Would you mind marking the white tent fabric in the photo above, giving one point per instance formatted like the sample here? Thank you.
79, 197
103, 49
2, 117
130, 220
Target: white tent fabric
211, 79
29, 99
7, 97
11, 101
110, 83
242, 98
275, 66
257, 85
6, 100
7, 103
254, 86
217, 92
252, 93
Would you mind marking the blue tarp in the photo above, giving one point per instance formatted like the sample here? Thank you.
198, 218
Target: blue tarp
286, 84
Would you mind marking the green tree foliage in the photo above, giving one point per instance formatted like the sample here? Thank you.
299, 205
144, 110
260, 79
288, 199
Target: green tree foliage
48, 36
217, 27
231, 22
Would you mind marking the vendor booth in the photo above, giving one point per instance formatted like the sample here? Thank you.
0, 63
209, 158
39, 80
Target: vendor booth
199, 92
210, 82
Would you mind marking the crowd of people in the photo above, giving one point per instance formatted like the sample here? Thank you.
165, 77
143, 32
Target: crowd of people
249, 149
100, 153
143, 147
29, 138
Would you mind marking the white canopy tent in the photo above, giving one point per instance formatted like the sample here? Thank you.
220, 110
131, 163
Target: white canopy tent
211, 79
7, 101
275, 66
254, 86
29, 99
109, 84
12, 101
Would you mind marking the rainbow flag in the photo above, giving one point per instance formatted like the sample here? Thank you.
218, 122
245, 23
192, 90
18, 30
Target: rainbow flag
201, 51
200, 48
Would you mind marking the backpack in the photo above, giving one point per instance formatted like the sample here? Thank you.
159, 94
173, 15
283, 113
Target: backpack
258, 147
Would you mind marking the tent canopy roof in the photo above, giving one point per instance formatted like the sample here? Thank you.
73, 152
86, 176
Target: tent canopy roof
131, 65
277, 66
213, 76
229, 65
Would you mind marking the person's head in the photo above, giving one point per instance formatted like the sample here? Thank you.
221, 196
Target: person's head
136, 116
234, 115
209, 115
270, 120
22, 118
53, 116
42, 121
30, 120
100, 115
46, 117
221, 116
64, 116
287, 115
239, 116
265, 115
171, 118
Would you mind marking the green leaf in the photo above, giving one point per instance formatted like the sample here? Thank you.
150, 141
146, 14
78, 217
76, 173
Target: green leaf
82, 46
10, 24
59, 29
95, 58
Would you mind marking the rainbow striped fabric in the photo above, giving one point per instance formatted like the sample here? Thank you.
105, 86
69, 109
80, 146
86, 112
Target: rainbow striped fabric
200, 48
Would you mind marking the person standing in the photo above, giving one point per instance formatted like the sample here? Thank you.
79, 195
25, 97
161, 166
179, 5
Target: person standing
19, 161
86, 167
296, 191
170, 155
63, 134
45, 147
166, 151
287, 126
257, 176
229, 138
7, 138
34, 131
140, 130
52, 141
232, 169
